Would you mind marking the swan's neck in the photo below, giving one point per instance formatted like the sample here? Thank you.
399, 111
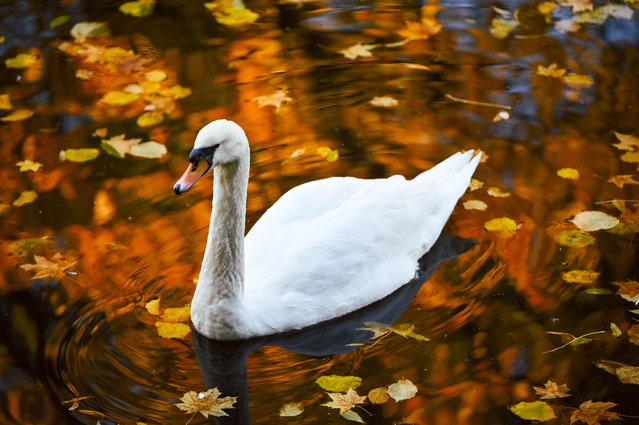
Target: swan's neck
218, 296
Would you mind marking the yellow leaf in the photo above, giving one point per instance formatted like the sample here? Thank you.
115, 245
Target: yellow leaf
551, 71
622, 179
84, 74
138, 8
533, 411
568, 173
153, 307
327, 153
575, 238
338, 383
26, 197
378, 395
83, 30
20, 61
291, 409
149, 119
552, 390
633, 334
28, 165
475, 185
630, 157
591, 221
577, 5
18, 115
546, 8
172, 330
119, 98
345, 402
578, 81
119, 145
358, 50
584, 277
149, 150
627, 142
422, 30
402, 390
501, 27
79, 155
175, 92
24, 247
384, 101
503, 227
497, 192
177, 314
59, 20
5, 102
614, 330
207, 403
231, 13
156, 75
474, 204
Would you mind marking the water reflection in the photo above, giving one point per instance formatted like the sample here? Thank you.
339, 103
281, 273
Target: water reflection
223, 363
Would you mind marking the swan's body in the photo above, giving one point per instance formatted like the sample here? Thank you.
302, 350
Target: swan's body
324, 249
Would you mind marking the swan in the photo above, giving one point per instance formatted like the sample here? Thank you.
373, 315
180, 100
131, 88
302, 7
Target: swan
324, 249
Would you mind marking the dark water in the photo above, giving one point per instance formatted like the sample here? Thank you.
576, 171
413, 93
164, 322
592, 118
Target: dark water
487, 311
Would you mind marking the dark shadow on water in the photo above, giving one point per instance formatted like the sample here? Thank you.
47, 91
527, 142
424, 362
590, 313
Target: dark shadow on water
223, 363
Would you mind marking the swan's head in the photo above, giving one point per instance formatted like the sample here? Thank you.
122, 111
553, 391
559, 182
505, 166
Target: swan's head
217, 143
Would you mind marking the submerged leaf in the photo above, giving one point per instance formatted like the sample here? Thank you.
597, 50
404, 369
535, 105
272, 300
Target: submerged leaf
207, 403
24, 247
79, 155
345, 402
627, 374
593, 413
291, 409
575, 238
402, 390
138, 8
585, 277
276, 99
591, 221
53, 268
552, 390
338, 383
533, 411
83, 30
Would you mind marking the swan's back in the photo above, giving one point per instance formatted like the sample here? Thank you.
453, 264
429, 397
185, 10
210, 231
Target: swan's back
335, 245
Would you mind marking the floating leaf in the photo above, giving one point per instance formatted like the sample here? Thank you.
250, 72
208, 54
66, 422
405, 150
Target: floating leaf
83, 30
25, 197
84, 74
597, 291
502, 27
628, 290
177, 314
207, 403
119, 145
384, 101
475, 185
153, 307
422, 30
578, 81
291, 409
327, 153
138, 8
358, 50
231, 13
568, 173
344, 402
614, 330
577, 5
474, 204
593, 413
575, 238
119, 98
176, 92
338, 383
622, 179
59, 20
151, 150
402, 390
28, 165
172, 330
155, 75
497, 192
378, 395
584, 277
627, 142
5, 102
552, 390
276, 99
627, 374
533, 411
352, 416
53, 268
546, 8
18, 115
24, 247
503, 227
632, 157
551, 70
591, 221
79, 155
404, 329
22, 60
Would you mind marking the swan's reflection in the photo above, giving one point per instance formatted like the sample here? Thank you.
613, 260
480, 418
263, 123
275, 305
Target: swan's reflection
223, 363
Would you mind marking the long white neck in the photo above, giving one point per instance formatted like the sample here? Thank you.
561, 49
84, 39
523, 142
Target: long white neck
216, 309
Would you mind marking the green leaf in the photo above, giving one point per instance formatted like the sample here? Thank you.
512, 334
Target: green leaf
575, 238
338, 383
138, 8
79, 155
149, 150
59, 20
352, 416
535, 411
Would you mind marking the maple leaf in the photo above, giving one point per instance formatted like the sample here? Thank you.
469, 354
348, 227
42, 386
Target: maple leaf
45, 268
628, 290
622, 179
357, 50
345, 402
551, 71
207, 403
593, 412
276, 99
28, 165
552, 390
627, 142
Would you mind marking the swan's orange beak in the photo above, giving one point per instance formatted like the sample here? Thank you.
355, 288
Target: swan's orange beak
192, 174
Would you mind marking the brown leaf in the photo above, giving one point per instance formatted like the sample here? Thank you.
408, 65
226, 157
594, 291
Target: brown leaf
628, 290
622, 179
207, 403
552, 390
593, 412
45, 268
627, 374
345, 402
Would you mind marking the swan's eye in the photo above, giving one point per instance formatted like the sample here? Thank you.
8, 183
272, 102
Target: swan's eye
215, 146
195, 163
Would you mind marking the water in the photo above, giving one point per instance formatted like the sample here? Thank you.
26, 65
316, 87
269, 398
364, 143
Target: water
487, 311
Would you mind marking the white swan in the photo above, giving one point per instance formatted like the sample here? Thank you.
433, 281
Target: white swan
324, 249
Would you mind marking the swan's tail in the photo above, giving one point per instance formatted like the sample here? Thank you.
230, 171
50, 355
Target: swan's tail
459, 166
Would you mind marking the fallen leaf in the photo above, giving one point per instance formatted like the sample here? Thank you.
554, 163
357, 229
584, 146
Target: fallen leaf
475, 185
58, 21
383, 101
503, 227
338, 383
138, 8
207, 403
83, 30
402, 390
18, 115
79, 155
291, 409
231, 13
352, 416
119, 98
53, 268
552, 390
502, 27
28, 165
578, 81
627, 142
155, 75
546, 8
575, 238
593, 413
632, 157
149, 119
24, 247
150, 150
276, 99
628, 290
172, 330
533, 411
474, 204
378, 395
622, 179
5, 102
177, 314
405, 330
568, 173
84, 74
20, 61
25, 197
422, 30
497, 192
614, 330
119, 145
153, 307
551, 70
358, 50
584, 277
577, 5
176, 92
591, 221
345, 402
627, 374
327, 153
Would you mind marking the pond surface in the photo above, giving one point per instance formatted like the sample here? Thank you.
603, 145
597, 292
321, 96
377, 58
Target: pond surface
80, 326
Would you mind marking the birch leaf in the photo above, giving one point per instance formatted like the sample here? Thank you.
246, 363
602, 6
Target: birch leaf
503, 227
591, 221
402, 390
150, 150
79, 155
568, 173
177, 314
149, 119
172, 330
119, 98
